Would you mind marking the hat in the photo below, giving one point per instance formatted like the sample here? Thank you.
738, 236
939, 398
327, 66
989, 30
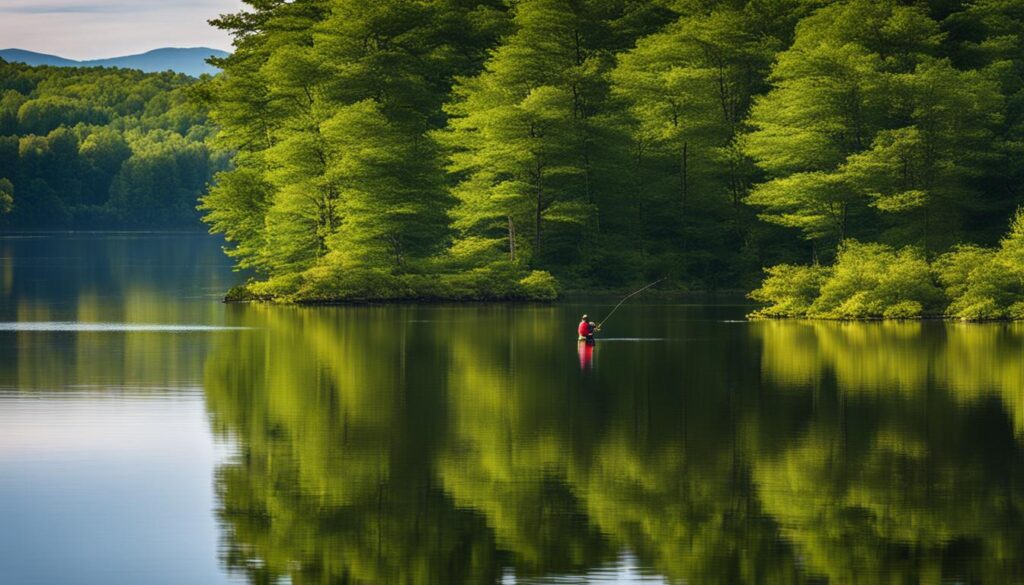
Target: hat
584, 317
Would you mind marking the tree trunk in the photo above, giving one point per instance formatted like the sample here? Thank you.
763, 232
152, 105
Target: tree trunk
511, 239
927, 226
684, 179
536, 234
537, 215
684, 188
639, 194
843, 228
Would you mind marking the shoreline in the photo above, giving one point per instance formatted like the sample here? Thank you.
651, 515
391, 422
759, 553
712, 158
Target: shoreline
241, 294
923, 318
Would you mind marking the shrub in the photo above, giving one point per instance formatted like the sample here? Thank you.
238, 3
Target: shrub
789, 290
331, 283
275, 288
903, 310
877, 281
985, 283
539, 285
974, 283
870, 279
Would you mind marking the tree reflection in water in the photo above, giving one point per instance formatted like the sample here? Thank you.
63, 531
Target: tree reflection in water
414, 445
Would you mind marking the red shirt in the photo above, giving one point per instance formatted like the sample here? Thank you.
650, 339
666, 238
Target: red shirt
584, 329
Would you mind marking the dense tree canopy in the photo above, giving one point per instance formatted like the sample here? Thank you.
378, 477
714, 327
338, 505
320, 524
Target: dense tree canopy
606, 141
101, 147
6, 195
864, 115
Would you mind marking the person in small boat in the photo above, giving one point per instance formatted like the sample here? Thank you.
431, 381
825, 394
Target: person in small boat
586, 329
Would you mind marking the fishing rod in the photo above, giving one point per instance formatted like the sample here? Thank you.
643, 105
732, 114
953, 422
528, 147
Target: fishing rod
624, 299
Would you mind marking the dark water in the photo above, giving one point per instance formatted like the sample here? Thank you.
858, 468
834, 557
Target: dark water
150, 434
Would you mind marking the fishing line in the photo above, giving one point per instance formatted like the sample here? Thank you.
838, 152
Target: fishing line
624, 299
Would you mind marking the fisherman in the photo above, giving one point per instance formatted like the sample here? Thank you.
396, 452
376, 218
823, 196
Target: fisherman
586, 330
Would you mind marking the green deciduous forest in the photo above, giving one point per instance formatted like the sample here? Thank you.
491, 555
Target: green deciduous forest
495, 149
101, 147
864, 157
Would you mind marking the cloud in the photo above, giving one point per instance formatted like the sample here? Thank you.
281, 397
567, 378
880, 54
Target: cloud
100, 7
89, 29
61, 8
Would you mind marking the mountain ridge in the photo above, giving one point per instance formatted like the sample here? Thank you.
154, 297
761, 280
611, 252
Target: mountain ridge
187, 60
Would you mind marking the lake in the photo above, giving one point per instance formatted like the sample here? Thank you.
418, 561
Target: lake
151, 434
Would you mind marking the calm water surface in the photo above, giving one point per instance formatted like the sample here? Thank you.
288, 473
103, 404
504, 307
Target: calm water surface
151, 434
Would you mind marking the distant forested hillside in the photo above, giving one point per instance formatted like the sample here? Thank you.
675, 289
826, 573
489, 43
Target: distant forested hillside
476, 149
191, 61
95, 147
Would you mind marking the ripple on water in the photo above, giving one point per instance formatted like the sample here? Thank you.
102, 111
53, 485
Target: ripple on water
108, 327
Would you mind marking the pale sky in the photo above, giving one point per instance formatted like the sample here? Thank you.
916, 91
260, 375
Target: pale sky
91, 29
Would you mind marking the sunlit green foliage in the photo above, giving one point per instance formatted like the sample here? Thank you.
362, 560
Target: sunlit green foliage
613, 142
866, 281
984, 283
329, 282
101, 147
876, 281
517, 133
872, 280
6, 195
788, 290
865, 115
338, 190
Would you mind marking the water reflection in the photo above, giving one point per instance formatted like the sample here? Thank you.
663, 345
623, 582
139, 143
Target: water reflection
108, 310
412, 445
105, 450
906, 468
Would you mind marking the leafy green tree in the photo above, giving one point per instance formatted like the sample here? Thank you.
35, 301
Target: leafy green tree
236, 205
862, 112
40, 116
927, 169
988, 36
788, 290
6, 195
986, 283
867, 281
337, 194
513, 135
158, 183
444, 148
10, 103
70, 132
689, 89
393, 206
102, 153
